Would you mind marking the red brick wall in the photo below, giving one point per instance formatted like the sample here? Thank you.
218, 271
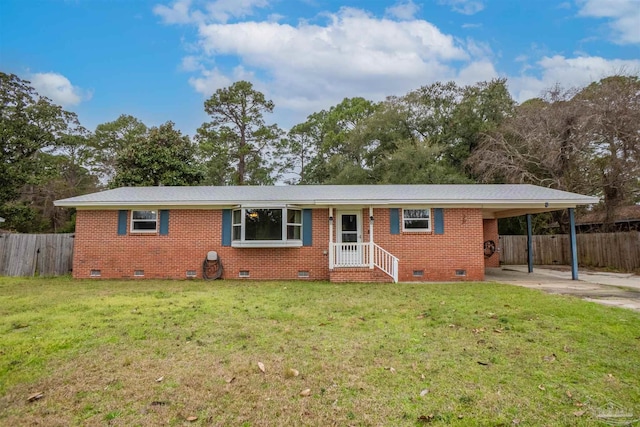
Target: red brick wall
192, 233
490, 227
437, 255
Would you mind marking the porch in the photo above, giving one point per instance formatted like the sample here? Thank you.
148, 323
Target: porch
349, 255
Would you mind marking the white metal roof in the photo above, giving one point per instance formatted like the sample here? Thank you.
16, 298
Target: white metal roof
496, 200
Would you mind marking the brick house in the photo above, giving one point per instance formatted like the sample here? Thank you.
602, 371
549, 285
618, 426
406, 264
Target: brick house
340, 233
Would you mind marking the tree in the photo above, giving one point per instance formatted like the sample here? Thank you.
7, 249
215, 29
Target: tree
580, 140
33, 132
611, 124
111, 138
237, 146
296, 153
163, 157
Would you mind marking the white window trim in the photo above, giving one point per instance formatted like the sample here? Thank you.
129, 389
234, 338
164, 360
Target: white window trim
417, 230
154, 231
284, 243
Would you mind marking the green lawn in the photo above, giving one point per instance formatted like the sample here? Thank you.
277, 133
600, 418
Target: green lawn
159, 352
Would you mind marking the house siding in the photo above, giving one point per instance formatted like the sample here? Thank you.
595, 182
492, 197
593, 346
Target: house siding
194, 232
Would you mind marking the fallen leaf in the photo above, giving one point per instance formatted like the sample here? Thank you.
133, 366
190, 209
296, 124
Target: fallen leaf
192, 418
230, 380
499, 331
550, 358
422, 376
460, 416
483, 363
159, 379
261, 366
451, 325
541, 387
569, 395
579, 413
426, 418
35, 396
291, 373
477, 330
424, 392
441, 302
515, 422
306, 392
390, 369
566, 349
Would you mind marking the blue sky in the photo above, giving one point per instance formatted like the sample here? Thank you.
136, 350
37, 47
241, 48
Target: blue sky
159, 60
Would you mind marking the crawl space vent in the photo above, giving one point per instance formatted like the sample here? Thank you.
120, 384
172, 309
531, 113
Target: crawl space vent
243, 273
95, 273
138, 273
303, 274
418, 273
461, 273
191, 273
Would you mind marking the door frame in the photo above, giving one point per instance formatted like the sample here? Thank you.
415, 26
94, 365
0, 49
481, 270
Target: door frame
358, 214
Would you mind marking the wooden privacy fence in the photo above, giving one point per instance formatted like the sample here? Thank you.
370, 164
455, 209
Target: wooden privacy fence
616, 250
31, 254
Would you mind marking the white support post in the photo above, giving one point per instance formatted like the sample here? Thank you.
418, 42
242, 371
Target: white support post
331, 248
371, 237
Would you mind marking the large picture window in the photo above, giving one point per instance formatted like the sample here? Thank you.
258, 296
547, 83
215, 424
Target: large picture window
267, 227
416, 220
144, 221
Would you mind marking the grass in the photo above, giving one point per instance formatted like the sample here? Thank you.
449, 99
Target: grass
163, 352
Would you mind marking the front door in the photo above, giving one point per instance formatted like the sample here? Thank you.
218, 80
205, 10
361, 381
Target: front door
350, 251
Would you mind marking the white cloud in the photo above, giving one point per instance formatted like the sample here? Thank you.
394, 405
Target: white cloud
223, 10
624, 16
307, 66
568, 72
466, 7
178, 13
403, 10
212, 80
217, 11
58, 88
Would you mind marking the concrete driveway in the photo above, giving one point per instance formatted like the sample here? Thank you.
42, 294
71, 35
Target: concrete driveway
615, 289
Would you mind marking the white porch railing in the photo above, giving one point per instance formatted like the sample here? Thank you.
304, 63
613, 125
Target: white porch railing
363, 255
385, 262
350, 255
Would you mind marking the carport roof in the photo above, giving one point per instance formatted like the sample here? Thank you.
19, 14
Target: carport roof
496, 200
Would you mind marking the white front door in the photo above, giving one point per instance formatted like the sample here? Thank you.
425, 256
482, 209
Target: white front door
350, 251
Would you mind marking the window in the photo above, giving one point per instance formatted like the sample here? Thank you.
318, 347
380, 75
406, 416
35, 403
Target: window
144, 221
264, 227
416, 220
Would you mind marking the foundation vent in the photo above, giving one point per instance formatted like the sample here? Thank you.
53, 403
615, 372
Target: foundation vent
461, 273
418, 273
303, 274
243, 273
138, 273
191, 273
95, 273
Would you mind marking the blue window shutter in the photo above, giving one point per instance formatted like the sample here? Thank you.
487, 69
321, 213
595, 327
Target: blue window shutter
438, 221
122, 223
307, 227
226, 227
394, 221
164, 222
